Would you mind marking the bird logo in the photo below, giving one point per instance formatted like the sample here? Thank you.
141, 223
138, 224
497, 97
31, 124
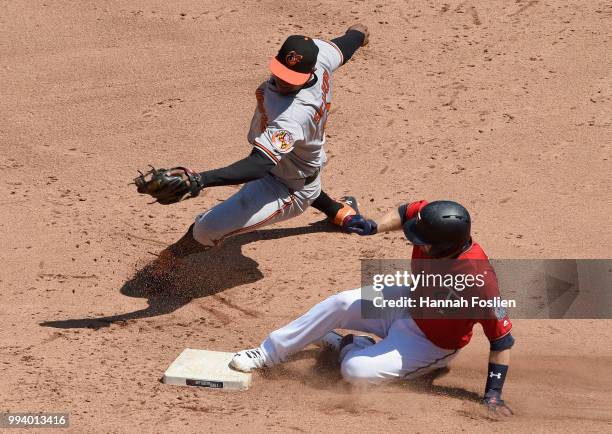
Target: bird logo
292, 58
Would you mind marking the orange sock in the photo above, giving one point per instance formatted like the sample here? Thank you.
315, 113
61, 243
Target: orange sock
343, 213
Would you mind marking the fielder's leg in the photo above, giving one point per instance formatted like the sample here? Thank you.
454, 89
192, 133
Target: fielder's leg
159, 275
336, 211
257, 204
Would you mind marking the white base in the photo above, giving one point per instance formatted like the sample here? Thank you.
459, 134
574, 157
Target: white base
206, 369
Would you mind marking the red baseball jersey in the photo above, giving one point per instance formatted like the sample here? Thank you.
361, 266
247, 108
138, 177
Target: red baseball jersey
455, 333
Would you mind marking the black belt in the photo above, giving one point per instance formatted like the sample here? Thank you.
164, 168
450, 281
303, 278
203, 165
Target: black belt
312, 178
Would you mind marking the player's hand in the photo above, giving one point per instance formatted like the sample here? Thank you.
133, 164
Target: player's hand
363, 29
496, 405
168, 186
178, 171
357, 224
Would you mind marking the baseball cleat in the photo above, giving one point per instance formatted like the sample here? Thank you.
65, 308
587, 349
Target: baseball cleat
336, 342
331, 340
248, 360
350, 201
350, 208
351, 341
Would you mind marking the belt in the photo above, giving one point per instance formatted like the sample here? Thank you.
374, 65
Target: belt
312, 178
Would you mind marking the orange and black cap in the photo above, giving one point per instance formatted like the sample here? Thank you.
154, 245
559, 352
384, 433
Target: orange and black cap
295, 60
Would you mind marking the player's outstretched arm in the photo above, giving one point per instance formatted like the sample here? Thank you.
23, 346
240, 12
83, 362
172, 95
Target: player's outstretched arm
359, 27
253, 167
360, 225
391, 221
168, 186
356, 36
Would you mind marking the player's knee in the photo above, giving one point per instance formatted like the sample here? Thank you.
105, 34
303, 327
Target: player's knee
359, 370
206, 230
342, 301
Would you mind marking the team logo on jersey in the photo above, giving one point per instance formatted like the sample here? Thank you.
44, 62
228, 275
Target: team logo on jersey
292, 58
283, 140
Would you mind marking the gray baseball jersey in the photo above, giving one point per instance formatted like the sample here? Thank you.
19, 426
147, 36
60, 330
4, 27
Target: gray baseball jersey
290, 129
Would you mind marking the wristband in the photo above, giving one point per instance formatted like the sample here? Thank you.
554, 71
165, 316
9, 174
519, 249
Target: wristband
496, 375
402, 209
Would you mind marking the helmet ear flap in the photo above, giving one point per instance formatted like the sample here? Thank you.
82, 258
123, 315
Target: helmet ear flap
412, 233
444, 250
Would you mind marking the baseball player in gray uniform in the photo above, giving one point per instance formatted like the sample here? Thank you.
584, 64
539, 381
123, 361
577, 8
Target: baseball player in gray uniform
282, 174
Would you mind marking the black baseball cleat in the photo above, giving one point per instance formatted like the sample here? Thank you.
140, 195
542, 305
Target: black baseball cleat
336, 342
350, 201
350, 207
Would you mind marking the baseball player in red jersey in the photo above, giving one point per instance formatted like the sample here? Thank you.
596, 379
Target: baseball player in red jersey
411, 344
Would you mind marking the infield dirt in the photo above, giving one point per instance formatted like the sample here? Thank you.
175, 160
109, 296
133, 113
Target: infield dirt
502, 106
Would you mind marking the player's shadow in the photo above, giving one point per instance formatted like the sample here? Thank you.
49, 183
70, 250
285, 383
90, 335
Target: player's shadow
325, 374
425, 384
203, 273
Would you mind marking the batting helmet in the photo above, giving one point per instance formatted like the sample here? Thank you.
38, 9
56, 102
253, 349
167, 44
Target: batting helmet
443, 224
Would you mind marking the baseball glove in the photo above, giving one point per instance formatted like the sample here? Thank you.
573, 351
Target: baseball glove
169, 186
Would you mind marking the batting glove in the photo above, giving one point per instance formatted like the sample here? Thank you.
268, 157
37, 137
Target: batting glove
495, 404
357, 224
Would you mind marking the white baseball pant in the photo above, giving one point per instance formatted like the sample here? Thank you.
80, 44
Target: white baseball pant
258, 203
403, 353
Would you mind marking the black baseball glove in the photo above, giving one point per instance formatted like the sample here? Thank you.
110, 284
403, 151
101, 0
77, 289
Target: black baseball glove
169, 186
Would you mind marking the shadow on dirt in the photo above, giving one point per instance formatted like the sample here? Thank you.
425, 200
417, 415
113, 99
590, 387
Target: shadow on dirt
325, 375
203, 273
425, 384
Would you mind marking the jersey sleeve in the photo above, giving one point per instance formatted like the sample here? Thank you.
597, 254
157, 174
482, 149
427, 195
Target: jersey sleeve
330, 55
495, 322
408, 211
495, 328
278, 139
